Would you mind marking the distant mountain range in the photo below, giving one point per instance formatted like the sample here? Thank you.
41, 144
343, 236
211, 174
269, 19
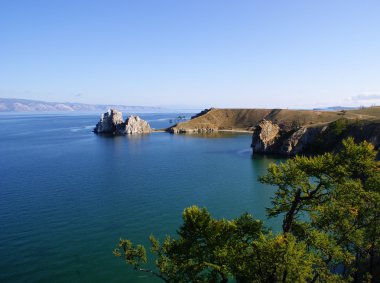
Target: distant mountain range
25, 105
335, 108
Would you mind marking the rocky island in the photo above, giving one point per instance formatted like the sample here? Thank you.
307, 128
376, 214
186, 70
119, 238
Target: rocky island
112, 123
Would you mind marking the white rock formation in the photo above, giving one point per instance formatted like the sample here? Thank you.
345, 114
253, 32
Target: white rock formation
108, 122
134, 125
112, 122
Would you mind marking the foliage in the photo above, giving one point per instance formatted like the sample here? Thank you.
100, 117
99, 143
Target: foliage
330, 232
331, 202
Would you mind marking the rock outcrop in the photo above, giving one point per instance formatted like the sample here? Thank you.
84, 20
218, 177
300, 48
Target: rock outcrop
112, 122
109, 122
269, 137
265, 135
272, 138
134, 125
301, 139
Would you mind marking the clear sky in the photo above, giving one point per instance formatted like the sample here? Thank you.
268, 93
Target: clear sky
194, 53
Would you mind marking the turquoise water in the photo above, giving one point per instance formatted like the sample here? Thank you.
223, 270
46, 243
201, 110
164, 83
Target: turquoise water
67, 195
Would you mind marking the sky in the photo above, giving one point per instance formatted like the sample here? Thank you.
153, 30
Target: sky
192, 53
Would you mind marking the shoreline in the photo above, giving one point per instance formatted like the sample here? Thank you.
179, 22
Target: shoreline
241, 131
237, 131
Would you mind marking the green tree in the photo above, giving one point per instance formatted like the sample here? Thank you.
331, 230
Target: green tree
331, 202
329, 205
204, 251
211, 250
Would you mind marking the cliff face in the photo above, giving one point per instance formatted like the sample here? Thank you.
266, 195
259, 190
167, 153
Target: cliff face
265, 136
270, 138
298, 141
112, 122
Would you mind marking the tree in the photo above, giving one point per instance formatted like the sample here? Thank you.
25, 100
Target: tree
202, 252
329, 204
211, 250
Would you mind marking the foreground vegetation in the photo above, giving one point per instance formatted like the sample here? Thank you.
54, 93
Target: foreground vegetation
330, 231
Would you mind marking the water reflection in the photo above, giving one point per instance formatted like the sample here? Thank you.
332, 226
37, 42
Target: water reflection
214, 135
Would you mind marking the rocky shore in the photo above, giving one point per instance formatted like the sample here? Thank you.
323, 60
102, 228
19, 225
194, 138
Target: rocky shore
289, 132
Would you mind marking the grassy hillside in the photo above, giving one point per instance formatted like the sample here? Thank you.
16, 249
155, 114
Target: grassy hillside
224, 119
246, 119
368, 113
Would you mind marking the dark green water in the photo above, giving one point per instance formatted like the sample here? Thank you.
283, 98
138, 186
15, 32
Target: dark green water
67, 195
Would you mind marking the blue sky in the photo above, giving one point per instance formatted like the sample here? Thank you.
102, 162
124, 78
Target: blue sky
197, 53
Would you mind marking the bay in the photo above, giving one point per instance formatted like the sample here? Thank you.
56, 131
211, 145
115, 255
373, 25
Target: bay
68, 195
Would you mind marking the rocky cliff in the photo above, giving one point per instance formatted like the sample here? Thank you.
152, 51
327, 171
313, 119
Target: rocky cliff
265, 136
271, 138
112, 122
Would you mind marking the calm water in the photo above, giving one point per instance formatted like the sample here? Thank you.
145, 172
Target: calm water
67, 195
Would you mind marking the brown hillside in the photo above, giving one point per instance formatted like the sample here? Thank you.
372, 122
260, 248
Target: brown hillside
369, 112
225, 119
245, 119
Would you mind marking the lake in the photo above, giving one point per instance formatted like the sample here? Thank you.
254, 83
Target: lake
68, 195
